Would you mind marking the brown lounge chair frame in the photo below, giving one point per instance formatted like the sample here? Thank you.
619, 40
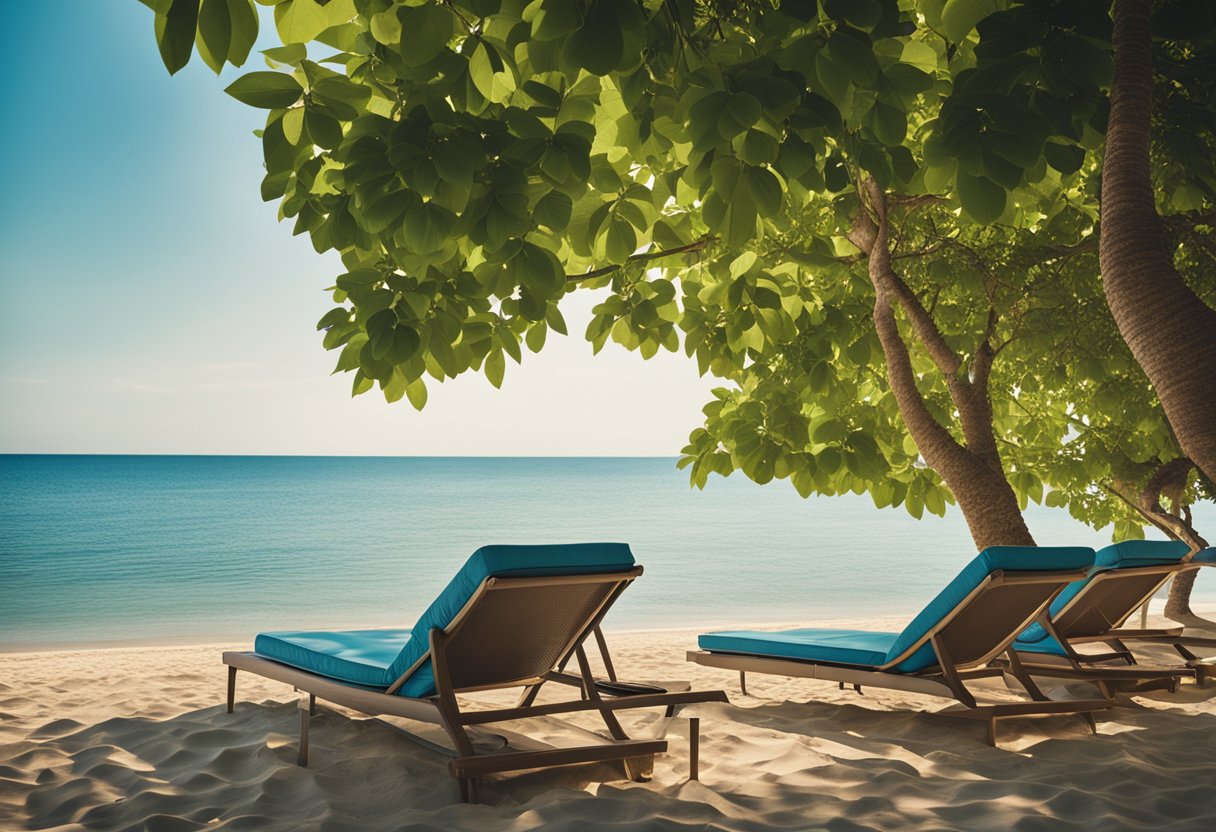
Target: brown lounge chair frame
979, 629
513, 632
1097, 614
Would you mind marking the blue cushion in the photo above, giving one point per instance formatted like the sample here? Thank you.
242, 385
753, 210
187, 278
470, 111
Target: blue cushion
361, 657
1207, 556
1006, 558
863, 647
378, 657
1124, 555
1131, 553
859, 647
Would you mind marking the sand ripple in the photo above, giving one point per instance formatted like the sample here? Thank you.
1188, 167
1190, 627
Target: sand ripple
135, 739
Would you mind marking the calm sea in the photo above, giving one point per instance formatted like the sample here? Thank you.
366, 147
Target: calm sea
153, 548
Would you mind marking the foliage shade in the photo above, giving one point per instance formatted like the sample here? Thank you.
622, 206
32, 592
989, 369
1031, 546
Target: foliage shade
475, 161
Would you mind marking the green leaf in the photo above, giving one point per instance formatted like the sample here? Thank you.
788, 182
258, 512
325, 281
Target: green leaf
427, 227
481, 70
598, 46
293, 125
323, 130
214, 33
415, 391
621, 240
553, 19
380, 328
553, 210
960, 16
1065, 158
495, 366
395, 387
982, 199
852, 51
863, 13
758, 148
175, 32
888, 123
300, 21
827, 432
341, 95
386, 27
244, 19
456, 161
920, 55
267, 90
290, 55
425, 32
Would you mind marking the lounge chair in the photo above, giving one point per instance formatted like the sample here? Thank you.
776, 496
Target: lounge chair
512, 617
1125, 576
971, 622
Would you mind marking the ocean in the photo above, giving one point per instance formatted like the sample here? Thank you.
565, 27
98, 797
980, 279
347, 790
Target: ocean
98, 550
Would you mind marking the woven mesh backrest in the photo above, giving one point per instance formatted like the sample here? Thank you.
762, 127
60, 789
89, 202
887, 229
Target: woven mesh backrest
1108, 600
516, 633
992, 618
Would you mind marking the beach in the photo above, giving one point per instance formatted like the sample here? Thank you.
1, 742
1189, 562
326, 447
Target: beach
137, 738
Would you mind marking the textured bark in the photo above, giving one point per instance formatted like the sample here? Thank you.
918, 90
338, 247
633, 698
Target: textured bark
1169, 481
972, 471
1171, 332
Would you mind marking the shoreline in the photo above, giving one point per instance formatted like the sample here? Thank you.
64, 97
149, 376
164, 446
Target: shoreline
886, 621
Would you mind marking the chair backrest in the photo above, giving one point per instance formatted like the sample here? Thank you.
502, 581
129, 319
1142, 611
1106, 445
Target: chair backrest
987, 604
518, 629
1125, 575
509, 607
1204, 557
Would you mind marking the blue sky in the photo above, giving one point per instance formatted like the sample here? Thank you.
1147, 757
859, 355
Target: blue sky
154, 304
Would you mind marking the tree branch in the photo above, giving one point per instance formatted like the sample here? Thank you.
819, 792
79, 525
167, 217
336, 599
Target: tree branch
645, 257
926, 329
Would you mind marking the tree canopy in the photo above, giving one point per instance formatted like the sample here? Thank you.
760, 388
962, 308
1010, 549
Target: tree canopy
721, 171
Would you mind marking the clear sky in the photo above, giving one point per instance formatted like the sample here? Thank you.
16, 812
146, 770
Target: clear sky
153, 304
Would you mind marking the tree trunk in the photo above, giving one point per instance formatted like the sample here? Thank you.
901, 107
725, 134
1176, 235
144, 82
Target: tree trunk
974, 475
1171, 332
1178, 602
1169, 481
984, 495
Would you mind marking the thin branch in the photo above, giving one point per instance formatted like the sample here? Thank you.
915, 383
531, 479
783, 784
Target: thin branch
645, 257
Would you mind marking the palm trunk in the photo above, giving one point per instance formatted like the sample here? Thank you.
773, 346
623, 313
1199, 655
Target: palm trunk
1171, 332
973, 471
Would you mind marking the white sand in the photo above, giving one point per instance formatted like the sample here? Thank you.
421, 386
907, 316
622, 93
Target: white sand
137, 738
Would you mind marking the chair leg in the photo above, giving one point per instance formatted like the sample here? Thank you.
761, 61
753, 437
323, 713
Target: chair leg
1093, 723
312, 704
694, 748
743, 682
231, 687
303, 706
638, 769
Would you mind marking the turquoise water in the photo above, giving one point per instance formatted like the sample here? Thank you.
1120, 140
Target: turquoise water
140, 548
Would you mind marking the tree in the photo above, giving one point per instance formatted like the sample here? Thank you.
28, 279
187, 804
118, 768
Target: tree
1169, 328
850, 212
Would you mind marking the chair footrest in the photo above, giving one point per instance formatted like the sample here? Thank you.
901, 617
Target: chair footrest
1106, 674
482, 764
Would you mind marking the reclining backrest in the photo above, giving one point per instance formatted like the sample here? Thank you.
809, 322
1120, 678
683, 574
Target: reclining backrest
512, 637
992, 616
1124, 576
